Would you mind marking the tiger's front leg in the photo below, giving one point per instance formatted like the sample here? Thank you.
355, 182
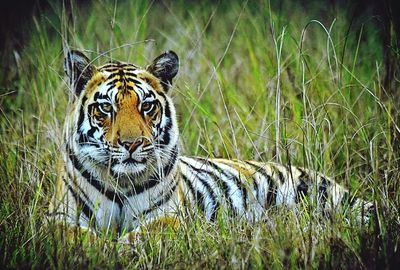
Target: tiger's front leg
73, 233
156, 226
68, 221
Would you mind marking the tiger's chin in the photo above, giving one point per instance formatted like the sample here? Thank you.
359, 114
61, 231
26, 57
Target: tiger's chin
131, 171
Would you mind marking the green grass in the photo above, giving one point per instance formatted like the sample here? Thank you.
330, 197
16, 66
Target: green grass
237, 61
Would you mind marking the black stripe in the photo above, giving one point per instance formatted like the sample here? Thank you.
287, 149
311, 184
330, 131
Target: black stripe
96, 96
159, 115
150, 94
109, 89
195, 193
302, 187
130, 87
129, 73
83, 139
81, 113
229, 175
167, 108
111, 195
255, 184
121, 74
256, 190
163, 136
85, 196
115, 66
80, 202
91, 131
162, 201
214, 211
133, 80
155, 179
168, 167
272, 188
140, 188
110, 66
166, 137
208, 187
280, 174
323, 191
113, 82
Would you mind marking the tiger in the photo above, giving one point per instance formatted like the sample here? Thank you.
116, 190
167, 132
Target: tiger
121, 167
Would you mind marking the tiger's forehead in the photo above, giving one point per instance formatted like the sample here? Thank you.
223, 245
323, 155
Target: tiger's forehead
115, 79
113, 67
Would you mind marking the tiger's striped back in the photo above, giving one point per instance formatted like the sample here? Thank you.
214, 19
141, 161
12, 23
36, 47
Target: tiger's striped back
251, 188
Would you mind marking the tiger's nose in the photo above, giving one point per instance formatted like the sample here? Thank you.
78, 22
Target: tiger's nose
131, 146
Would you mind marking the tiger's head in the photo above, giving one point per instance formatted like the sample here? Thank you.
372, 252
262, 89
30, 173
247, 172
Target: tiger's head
122, 122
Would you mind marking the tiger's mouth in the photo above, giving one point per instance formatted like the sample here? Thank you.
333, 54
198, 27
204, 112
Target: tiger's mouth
129, 167
131, 161
134, 166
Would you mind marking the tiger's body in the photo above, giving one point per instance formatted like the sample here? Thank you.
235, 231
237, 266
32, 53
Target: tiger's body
121, 168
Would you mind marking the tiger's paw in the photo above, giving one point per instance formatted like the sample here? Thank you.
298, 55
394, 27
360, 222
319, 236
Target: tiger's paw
128, 242
129, 238
71, 232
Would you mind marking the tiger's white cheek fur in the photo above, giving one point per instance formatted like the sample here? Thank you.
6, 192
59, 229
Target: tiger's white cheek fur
97, 152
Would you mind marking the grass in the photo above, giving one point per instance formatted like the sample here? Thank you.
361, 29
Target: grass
283, 82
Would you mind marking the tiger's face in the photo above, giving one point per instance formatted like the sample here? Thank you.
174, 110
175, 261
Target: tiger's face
124, 122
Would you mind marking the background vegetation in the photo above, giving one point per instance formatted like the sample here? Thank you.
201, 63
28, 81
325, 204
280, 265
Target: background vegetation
289, 82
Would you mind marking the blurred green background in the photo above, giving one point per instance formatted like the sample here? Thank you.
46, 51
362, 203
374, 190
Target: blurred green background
314, 83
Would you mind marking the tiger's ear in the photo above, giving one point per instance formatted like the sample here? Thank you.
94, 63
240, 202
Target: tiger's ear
165, 67
78, 69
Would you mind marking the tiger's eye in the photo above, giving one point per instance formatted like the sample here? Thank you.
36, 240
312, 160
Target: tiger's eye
147, 106
105, 107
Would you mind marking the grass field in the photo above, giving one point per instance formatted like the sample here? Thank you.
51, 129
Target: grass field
287, 82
